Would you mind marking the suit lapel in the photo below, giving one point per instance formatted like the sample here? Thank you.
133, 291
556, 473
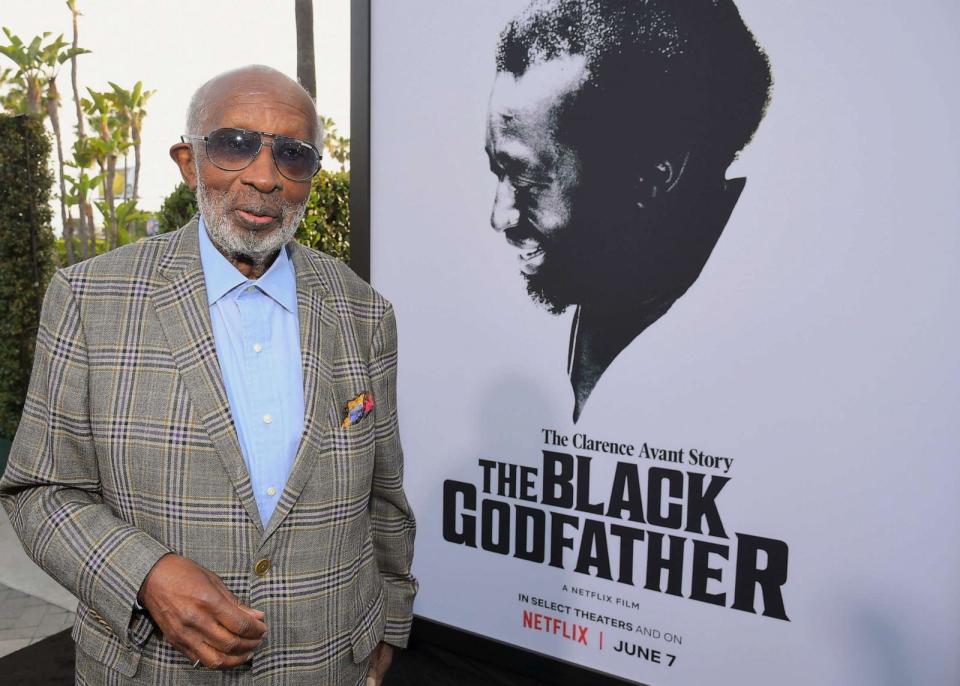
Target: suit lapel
319, 341
181, 305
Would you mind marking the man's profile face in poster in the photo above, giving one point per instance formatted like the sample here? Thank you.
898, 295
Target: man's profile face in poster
566, 217
610, 128
537, 173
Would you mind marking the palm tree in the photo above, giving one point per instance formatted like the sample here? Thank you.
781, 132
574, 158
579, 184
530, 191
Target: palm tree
81, 186
130, 105
306, 64
37, 66
29, 68
74, 12
83, 207
53, 111
112, 141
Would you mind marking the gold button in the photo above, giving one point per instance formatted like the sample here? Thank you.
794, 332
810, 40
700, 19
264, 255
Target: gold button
262, 567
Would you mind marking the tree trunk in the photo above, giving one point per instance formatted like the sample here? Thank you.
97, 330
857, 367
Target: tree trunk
34, 96
306, 63
92, 237
82, 225
126, 165
113, 238
82, 233
135, 133
53, 111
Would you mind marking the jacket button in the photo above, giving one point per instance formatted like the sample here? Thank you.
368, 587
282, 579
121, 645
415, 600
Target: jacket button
262, 567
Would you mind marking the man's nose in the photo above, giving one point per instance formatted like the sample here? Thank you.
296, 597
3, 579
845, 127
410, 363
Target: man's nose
505, 213
262, 173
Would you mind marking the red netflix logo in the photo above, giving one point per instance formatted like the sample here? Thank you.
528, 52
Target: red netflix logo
556, 626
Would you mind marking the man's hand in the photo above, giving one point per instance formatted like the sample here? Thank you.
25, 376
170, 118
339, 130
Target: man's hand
198, 615
380, 660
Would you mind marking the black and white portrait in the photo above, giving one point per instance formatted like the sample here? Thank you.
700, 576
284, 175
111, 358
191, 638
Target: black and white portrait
610, 129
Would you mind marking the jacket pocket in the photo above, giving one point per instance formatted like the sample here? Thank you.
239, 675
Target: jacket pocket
94, 637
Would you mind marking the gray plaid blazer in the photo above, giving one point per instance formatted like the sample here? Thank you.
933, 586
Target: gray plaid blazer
126, 450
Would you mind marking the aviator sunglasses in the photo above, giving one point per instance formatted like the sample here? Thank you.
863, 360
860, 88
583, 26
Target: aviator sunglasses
234, 149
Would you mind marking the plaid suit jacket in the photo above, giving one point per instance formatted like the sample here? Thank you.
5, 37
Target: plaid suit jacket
126, 450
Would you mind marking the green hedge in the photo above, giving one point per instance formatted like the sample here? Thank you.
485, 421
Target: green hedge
326, 225
26, 255
177, 208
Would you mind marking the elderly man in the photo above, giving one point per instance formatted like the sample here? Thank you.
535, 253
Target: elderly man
209, 457
611, 126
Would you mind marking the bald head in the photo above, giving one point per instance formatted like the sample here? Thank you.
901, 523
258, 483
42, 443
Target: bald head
255, 80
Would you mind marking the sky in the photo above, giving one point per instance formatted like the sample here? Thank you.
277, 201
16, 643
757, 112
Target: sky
174, 46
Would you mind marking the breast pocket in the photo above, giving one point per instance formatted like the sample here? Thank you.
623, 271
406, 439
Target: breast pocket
353, 451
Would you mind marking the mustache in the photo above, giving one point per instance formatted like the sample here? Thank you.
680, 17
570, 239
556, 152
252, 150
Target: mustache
256, 203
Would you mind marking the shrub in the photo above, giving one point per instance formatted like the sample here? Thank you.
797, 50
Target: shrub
26, 255
177, 208
326, 225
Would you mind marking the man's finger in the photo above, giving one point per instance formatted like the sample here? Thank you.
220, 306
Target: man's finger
228, 643
193, 647
196, 646
230, 597
256, 614
240, 622
211, 658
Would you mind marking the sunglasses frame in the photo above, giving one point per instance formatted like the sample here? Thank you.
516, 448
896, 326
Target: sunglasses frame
186, 138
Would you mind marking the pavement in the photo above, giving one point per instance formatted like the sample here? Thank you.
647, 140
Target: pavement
32, 605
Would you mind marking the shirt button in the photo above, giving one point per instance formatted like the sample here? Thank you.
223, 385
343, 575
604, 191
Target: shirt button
257, 347
271, 491
267, 419
251, 289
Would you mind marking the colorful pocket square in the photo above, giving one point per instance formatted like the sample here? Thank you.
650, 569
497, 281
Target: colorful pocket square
357, 409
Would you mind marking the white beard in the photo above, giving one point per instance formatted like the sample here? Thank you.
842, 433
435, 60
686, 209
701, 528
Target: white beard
240, 243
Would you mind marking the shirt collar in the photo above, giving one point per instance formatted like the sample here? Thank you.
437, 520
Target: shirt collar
279, 281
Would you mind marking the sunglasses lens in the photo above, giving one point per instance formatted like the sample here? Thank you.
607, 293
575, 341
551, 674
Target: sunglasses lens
295, 159
232, 149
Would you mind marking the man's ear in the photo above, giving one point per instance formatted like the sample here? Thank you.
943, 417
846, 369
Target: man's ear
660, 178
182, 154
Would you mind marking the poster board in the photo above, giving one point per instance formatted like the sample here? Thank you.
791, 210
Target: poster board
787, 424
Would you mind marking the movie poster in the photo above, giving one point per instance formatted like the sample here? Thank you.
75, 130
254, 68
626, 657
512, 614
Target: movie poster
676, 286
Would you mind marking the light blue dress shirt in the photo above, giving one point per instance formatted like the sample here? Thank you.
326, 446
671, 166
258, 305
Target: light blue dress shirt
257, 333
